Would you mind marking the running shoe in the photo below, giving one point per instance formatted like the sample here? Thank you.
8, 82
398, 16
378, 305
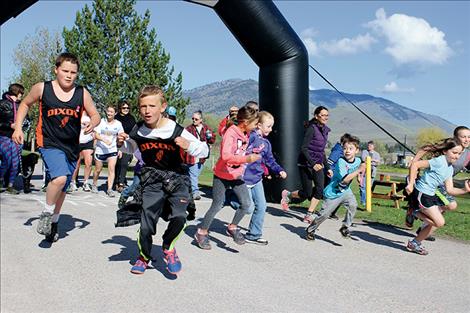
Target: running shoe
172, 261
308, 218
54, 235
86, 187
139, 266
416, 247
202, 241
344, 230
236, 235
409, 219
44, 225
285, 200
259, 241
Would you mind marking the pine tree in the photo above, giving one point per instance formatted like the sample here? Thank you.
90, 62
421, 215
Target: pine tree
119, 55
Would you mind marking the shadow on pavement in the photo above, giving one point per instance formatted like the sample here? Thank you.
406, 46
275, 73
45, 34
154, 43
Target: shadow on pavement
400, 231
400, 245
300, 231
291, 213
67, 223
129, 252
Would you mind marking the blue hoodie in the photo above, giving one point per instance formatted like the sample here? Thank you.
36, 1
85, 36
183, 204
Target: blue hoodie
254, 171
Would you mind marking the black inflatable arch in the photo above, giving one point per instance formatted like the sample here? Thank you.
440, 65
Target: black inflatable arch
283, 76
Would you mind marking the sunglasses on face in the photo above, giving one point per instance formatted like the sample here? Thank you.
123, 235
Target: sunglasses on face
125, 108
195, 119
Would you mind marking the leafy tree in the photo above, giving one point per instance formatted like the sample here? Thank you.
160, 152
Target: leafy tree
380, 147
119, 54
35, 58
429, 135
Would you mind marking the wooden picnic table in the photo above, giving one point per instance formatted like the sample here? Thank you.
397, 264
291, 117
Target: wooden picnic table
395, 188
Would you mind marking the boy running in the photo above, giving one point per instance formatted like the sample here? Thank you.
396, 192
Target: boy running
162, 143
61, 104
338, 191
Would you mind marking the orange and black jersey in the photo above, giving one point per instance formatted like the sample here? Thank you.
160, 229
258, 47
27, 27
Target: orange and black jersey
59, 122
163, 154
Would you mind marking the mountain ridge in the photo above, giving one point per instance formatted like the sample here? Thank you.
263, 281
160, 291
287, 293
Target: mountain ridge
401, 121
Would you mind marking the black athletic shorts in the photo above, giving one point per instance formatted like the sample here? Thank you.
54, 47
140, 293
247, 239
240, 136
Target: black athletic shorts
86, 146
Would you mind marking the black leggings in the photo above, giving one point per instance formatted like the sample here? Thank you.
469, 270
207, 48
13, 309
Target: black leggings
307, 175
121, 168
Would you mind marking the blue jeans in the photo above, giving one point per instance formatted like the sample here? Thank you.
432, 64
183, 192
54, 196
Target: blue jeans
362, 189
258, 207
129, 191
194, 172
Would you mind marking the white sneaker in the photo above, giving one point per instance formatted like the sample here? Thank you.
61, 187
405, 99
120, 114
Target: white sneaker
86, 187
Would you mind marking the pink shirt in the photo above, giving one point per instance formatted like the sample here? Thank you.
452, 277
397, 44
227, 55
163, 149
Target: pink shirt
232, 160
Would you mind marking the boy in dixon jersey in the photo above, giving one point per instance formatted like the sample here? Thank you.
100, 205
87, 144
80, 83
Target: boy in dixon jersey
164, 180
61, 104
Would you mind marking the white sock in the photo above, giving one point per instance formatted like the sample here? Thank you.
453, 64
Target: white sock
85, 182
55, 218
49, 208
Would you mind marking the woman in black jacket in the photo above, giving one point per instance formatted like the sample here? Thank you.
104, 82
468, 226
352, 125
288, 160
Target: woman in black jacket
128, 121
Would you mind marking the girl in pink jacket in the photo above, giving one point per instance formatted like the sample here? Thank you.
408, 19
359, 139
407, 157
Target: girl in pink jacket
228, 173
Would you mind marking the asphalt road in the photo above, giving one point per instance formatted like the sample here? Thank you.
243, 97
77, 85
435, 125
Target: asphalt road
87, 270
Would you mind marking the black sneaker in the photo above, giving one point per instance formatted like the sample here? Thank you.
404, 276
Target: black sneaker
409, 219
310, 235
191, 216
344, 230
54, 235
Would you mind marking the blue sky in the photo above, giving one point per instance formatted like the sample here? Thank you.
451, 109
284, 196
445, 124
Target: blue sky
413, 53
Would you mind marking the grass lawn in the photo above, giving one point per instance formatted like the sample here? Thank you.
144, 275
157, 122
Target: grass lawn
383, 211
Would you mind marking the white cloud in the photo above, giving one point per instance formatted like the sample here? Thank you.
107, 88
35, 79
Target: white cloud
335, 47
411, 39
348, 45
307, 36
392, 87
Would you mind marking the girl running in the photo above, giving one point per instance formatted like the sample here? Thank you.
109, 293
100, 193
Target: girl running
428, 206
228, 173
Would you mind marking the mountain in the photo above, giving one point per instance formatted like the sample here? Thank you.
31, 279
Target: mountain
399, 120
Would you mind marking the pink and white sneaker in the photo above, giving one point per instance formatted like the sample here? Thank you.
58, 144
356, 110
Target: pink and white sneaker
285, 200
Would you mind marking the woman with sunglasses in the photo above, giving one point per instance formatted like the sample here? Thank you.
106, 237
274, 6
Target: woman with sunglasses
128, 121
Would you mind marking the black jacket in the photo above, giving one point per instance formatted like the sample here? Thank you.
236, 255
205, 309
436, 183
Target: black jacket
6, 116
